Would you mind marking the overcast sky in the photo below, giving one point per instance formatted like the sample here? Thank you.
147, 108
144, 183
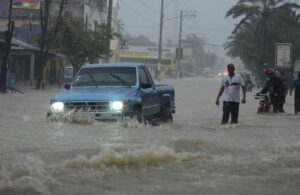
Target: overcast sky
142, 17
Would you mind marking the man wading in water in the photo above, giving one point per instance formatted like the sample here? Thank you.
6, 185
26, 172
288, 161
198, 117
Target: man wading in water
231, 85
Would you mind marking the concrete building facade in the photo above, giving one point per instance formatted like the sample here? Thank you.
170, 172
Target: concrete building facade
27, 26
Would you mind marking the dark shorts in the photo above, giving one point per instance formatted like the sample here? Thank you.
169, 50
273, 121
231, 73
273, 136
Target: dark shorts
297, 104
230, 108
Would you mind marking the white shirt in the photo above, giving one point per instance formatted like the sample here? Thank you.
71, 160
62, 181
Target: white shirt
232, 87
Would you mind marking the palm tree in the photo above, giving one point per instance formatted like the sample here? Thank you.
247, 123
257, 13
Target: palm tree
265, 13
245, 44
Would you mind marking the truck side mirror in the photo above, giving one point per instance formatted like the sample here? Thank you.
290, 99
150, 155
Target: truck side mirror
146, 85
67, 86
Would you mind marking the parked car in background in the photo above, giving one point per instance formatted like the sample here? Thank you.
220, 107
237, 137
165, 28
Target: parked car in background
208, 73
112, 91
68, 75
222, 73
188, 74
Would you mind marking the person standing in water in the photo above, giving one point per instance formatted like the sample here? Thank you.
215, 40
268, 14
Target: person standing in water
230, 86
296, 86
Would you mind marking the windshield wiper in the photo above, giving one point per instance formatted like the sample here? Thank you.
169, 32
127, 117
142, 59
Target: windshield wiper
120, 79
92, 78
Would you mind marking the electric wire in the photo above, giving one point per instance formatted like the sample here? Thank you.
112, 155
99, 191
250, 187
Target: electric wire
149, 7
137, 12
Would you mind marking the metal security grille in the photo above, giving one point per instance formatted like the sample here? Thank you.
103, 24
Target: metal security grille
97, 107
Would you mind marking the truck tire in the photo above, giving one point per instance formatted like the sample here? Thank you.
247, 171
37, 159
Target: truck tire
49, 114
138, 115
165, 114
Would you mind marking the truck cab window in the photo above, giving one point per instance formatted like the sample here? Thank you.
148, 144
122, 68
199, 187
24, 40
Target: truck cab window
144, 80
148, 74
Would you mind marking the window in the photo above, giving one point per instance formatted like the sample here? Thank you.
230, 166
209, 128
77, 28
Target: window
143, 77
148, 74
145, 82
106, 76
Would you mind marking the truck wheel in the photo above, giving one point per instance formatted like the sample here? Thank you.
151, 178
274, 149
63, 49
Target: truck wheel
138, 115
49, 114
165, 114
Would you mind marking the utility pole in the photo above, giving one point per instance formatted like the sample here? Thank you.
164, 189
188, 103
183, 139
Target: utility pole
44, 45
8, 37
108, 30
159, 65
179, 50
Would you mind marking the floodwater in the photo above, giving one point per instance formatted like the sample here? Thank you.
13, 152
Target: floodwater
194, 155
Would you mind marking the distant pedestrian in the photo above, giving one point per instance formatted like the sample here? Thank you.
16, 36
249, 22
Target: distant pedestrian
296, 86
231, 85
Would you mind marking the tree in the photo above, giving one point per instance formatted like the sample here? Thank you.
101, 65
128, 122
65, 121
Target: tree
44, 42
246, 45
78, 43
140, 40
258, 30
197, 44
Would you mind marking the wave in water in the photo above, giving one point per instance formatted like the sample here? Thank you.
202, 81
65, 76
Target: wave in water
21, 174
133, 159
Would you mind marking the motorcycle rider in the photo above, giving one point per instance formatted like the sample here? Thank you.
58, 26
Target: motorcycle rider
275, 87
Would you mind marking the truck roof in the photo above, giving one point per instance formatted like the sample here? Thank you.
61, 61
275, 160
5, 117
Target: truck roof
132, 65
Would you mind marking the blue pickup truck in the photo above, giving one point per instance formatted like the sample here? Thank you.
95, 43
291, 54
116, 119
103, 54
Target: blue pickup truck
112, 91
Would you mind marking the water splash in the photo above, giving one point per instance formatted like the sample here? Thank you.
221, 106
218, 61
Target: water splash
133, 159
132, 123
21, 174
73, 116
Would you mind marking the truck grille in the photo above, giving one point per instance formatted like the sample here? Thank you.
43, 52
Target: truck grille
94, 107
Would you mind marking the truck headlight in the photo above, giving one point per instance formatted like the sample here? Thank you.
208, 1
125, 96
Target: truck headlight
57, 107
116, 106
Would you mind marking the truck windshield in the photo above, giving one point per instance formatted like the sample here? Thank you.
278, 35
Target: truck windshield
106, 76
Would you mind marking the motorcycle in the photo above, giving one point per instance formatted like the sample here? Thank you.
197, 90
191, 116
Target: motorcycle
264, 103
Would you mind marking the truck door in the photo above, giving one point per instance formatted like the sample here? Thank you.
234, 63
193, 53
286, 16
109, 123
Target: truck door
147, 93
155, 94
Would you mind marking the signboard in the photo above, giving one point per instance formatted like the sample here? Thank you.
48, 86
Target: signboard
283, 55
26, 4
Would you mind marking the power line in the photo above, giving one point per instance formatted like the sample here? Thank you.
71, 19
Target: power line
137, 12
168, 4
196, 23
173, 28
147, 6
200, 28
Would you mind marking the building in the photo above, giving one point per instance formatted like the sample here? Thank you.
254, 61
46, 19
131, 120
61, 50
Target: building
92, 12
149, 56
27, 22
27, 26
23, 64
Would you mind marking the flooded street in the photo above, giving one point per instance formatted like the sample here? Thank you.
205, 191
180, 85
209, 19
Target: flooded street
194, 155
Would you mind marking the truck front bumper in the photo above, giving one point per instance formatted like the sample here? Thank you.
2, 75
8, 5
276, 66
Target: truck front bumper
103, 116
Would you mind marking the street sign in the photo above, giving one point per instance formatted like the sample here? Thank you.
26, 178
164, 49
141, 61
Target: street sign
179, 53
283, 55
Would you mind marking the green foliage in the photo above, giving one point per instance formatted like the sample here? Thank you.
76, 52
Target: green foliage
202, 59
140, 40
80, 44
263, 23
